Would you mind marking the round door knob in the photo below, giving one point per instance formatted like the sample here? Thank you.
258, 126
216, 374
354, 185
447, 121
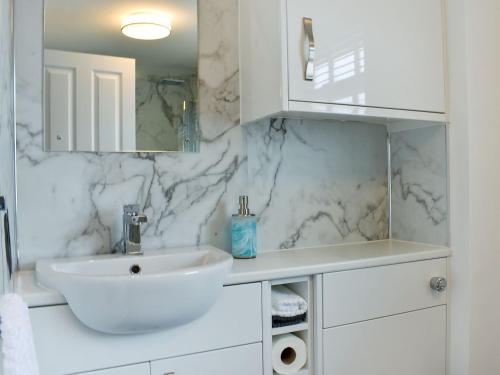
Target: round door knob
438, 284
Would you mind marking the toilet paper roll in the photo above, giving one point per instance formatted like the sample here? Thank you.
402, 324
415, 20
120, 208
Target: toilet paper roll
289, 354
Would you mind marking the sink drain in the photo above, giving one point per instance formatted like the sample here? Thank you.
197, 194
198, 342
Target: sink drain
135, 269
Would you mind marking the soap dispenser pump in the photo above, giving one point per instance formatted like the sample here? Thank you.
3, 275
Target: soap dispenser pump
244, 232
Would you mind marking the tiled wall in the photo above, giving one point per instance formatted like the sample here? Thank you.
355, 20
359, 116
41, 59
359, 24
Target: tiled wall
311, 183
316, 183
419, 185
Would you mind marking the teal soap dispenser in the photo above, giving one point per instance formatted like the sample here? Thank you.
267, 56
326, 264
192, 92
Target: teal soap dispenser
244, 232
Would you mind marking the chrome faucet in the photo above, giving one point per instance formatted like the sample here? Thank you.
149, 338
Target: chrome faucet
132, 220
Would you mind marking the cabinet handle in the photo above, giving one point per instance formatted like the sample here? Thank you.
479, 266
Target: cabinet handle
169, 373
310, 48
438, 284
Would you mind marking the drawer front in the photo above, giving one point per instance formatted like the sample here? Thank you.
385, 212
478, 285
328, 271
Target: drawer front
413, 343
140, 369
241, 360
357, 295
57, 332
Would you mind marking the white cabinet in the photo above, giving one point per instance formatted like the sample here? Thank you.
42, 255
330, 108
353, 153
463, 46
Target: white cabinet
369, 58
388, 320
241, 360
411, 344
139, 369
234, 320
383, 320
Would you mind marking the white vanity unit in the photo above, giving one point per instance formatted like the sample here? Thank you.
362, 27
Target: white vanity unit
375, 307
389, 321
377, 60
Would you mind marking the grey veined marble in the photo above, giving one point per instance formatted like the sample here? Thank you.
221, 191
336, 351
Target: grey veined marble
310, 183
419, 185
316, 183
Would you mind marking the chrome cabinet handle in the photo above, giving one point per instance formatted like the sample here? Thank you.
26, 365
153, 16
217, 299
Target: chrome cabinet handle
169, 373
438, 284
310, 48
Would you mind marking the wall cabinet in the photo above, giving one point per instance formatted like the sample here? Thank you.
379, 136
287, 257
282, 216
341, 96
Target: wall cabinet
321, 58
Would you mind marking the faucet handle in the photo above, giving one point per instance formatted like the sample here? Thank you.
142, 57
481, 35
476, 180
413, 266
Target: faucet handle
131, 209
139, 218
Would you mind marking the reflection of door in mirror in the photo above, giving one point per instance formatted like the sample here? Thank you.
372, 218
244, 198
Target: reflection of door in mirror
103, 87
121, 75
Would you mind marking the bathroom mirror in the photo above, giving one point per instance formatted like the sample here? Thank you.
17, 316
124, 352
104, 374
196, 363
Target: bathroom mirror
121, 75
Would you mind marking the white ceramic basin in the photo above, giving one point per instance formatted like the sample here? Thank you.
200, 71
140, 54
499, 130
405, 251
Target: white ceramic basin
172, 287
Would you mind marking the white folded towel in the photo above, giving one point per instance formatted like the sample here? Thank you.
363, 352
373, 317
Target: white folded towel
286, 303
19, 356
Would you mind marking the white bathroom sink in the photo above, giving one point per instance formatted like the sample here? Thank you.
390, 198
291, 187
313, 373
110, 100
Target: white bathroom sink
123, 294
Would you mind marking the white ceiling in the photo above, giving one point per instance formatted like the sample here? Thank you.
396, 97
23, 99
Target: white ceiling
94, 26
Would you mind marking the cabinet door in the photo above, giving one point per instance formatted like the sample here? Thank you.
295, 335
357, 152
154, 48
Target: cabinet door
139, 369
410, 344
374, 53
241, 360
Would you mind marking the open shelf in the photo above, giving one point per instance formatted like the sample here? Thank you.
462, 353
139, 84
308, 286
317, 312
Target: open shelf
302, 286
290, 329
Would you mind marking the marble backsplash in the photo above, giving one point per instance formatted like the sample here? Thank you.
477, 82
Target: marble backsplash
309, 182
419, 185
316, 183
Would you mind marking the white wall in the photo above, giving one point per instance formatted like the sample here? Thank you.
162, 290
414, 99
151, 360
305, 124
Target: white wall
7, 186
474, 47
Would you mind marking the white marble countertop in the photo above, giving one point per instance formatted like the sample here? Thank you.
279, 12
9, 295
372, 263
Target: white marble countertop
280, 264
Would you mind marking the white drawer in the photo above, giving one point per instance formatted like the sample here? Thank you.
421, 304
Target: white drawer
357, 295
241, 360
140, 369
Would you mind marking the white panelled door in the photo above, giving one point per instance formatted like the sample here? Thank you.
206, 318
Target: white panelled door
89, 102
372, 53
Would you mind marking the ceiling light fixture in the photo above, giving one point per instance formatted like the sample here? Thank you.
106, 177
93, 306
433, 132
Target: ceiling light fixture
146, 26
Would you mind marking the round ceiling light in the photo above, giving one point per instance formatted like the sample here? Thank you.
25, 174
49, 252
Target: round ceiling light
146, 26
